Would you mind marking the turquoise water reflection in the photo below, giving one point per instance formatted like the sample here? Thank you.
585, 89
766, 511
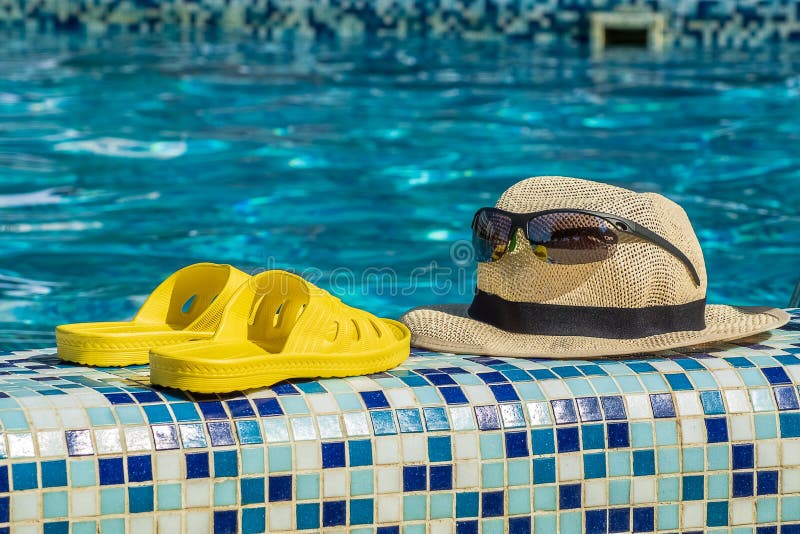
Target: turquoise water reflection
122, 160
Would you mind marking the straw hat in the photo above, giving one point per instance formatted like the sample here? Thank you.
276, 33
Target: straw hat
629, 303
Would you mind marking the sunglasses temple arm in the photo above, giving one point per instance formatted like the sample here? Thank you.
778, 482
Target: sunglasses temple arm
648, 235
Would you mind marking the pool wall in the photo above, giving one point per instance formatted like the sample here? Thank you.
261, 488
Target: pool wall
678, 442
690, 23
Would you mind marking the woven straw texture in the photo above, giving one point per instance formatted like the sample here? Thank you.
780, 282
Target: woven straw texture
638, 275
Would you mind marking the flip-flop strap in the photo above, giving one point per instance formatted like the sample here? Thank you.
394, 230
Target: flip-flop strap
193, 297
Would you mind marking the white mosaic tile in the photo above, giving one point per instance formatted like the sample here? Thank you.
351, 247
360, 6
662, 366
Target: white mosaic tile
138, 439
387, 450
356, 424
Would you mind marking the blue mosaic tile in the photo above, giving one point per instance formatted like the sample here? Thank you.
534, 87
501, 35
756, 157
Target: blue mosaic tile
140, 469
716, 429
221, 434
519, 525
383, 422
268, 407
594, 465
678, 381
743, 456
212, 410
440, 379
593, 437
619, 520
516, 444
307, 516
197, 465
712, 402
440, 449
111, 471
54, 474
333, 455
374, 399
225, 464
488, 417
790, 425
415, 478
226, 522
310, 387
542, 441
240, 408
253, 520
25, 476
613, 407
504, 392
589, 409
441, 477
618, 435
776, 375
742, 484
786, 397
285, 388
361, 512
544, 471
334, 513
662, 405
717, 514
567, 371
119, 398
564, 411
140, 499
492, 504
360, 453
643, 519
767, 482
249, 432
147, 396
568, 439
280, 488
542, 374
569, 496
453, 395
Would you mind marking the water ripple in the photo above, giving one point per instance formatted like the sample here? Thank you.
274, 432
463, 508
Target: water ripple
37, 198
124, 148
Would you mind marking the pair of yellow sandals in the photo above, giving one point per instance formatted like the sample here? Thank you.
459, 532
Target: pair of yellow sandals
211, 328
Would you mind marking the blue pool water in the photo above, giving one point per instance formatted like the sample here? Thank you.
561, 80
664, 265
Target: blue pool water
123, 159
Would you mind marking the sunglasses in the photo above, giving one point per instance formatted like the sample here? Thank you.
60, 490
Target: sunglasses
564, 236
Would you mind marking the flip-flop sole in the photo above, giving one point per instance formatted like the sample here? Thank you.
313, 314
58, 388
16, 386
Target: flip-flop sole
231, 375
104, 358
115, 351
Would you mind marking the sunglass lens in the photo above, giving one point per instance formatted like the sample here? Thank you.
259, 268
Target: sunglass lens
490, 235
571, 238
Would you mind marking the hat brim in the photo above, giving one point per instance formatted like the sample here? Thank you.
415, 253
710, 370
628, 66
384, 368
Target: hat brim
448, 328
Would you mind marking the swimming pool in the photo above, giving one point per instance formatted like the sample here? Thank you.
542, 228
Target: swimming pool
122, 159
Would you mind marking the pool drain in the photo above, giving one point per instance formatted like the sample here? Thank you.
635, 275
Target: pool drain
627, 27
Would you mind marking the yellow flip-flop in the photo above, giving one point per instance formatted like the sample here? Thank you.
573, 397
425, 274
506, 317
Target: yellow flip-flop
184, 307
276, 327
